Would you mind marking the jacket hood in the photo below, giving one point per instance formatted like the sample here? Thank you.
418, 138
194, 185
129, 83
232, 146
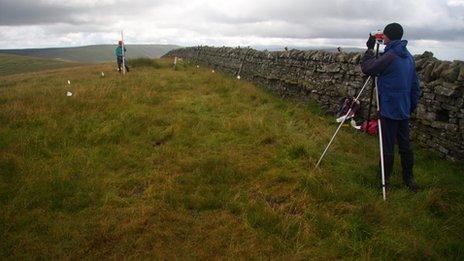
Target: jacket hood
398, 47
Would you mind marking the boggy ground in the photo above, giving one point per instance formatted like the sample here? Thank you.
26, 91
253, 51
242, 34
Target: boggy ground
191, 164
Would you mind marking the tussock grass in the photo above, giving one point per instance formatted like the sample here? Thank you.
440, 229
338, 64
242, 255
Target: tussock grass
144, 62
190, 164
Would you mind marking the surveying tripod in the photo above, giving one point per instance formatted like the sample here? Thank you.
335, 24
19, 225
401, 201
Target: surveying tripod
379, 40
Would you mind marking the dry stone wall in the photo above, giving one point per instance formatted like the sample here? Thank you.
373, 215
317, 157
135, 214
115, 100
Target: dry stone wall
327, 77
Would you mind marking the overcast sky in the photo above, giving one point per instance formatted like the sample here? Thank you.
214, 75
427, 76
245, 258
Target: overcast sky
436, 25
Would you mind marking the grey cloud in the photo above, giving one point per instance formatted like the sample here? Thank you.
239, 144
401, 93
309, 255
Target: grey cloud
341, 19
190, 20
24, 12
286, 19
34, 12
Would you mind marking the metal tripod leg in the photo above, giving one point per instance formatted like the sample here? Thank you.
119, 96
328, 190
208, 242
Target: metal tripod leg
379, 123
343, 121
368, 121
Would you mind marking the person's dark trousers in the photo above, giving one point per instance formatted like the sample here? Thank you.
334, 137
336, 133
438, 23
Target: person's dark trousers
398, 130
119, 60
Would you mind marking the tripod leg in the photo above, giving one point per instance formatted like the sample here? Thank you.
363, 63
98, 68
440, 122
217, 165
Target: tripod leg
370, 108
374, 83
382, 163
341, 123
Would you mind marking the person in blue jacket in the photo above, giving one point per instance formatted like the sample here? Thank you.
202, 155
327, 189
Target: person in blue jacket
399, 93
119, 57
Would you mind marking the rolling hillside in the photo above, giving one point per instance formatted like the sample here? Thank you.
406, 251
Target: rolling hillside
14, 64
190, 164
93, 53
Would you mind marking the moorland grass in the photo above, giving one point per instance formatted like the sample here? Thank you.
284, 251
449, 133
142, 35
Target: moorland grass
191, 164
144, 62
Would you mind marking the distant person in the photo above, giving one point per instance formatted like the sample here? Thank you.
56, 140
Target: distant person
399, 93
119, 57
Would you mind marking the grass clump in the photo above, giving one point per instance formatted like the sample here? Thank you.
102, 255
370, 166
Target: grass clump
144, 62
194, 165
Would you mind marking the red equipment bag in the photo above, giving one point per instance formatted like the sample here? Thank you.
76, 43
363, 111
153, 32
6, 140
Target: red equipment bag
372, 129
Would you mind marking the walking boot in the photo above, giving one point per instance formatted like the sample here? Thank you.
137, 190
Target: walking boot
412, 185
407, 162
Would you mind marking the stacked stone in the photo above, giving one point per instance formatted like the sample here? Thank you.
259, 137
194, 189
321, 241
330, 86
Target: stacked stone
328, 77
439, 121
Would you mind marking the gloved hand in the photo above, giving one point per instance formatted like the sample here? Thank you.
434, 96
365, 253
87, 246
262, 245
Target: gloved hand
370, 42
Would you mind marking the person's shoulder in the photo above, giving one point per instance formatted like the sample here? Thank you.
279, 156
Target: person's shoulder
410, 56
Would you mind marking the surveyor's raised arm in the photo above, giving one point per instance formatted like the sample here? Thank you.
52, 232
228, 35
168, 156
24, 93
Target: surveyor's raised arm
373, 66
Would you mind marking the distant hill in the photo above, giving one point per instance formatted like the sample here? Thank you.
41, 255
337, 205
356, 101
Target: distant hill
12, 64
93, 53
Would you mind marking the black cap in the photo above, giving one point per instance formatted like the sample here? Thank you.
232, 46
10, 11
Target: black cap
394, 31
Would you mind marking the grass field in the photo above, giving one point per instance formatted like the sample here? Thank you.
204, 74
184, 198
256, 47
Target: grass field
17, 64
191, 164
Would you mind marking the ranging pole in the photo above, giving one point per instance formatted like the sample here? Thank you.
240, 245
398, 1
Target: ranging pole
241, 64
379, 122
123, 54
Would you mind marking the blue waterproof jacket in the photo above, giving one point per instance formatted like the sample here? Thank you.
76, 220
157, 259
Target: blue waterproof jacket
118, 51
398, 83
